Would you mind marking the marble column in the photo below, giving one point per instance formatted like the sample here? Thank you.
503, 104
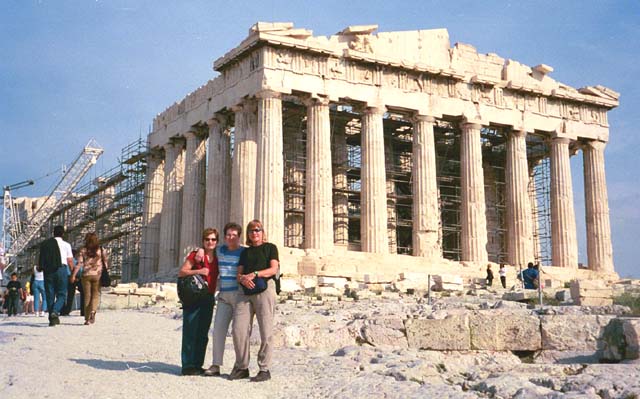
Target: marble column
599, 250
318, 210
243, 165
269, 207
193, 193
373, 196
564, 243
153, 193
473, 220
171, 208
218, 191
519, 228
426, 212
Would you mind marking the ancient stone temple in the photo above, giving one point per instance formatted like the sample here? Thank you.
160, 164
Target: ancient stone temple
367, 154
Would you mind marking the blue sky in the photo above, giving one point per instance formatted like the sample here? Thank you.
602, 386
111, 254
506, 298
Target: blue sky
73, 70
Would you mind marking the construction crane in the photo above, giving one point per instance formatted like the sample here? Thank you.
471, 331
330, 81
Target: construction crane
80, 166
11, 226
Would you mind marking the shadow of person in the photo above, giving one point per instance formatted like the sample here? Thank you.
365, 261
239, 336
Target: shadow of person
123, 365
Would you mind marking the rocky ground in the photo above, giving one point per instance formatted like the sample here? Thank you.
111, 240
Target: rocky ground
326, 349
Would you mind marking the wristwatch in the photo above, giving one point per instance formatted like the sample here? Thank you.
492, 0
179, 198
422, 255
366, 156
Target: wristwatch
255, 274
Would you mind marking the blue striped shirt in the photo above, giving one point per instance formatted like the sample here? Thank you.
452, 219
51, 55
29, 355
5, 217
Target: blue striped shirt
228, 266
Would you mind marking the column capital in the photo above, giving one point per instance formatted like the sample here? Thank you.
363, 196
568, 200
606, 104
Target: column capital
218, 120
318, 100
595, 144
191, 134
520, 133
561, 140
264, 94
416, 117
173, 143
372, 110
244, 105
466, 124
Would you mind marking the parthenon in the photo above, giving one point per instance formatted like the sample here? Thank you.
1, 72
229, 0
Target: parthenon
367, 153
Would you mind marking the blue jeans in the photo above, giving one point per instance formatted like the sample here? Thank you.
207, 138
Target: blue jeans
196, 321
38, 289
55, 285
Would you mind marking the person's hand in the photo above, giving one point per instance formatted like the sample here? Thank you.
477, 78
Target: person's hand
204, 271
199, 255
247, 280
72, 279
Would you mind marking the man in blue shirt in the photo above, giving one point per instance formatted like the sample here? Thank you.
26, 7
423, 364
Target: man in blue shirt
228, 260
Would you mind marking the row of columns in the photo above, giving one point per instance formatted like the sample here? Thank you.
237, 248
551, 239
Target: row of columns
256, 171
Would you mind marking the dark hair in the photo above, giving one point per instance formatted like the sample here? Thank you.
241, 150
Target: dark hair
58, 231
530, 265
91, 244
208, 231
14, 274
253, 224
233, 226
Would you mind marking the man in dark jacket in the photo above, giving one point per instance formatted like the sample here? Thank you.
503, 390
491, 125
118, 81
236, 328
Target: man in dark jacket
54, 263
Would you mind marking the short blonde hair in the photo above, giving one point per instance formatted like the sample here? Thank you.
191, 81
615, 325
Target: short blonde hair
208, 231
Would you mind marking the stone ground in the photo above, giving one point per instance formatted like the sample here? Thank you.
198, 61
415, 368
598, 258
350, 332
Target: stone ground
136, 353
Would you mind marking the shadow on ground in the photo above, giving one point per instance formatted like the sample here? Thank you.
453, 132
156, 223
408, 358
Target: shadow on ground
120, 365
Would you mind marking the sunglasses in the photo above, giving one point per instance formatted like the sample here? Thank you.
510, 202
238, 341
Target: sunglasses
211, 239
255, 230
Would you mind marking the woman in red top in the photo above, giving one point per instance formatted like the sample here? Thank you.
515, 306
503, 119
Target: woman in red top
196, 318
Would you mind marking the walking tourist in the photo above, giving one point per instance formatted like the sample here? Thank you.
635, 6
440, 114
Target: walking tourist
55, 257
503, 275
71, 287
489, 276
14, 293
196, 318
258, 266
228, 259
39, 296
92, 259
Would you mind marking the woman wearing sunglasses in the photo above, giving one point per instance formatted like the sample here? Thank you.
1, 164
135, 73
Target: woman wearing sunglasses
196, 318
258, 265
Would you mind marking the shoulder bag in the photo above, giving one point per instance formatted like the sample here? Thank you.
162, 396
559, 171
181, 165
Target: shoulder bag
260, 286
192, 289
105, 279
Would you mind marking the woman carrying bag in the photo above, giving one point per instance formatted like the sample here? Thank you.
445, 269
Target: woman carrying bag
196, 317
257, 268
93, 261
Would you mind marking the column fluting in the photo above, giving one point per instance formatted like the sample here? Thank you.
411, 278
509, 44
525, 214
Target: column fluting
564, 243
218, 191
193, 193
153, 193
171, 208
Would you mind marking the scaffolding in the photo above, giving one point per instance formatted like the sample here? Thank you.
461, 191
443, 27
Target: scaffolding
111, 205
538, 153
294, 129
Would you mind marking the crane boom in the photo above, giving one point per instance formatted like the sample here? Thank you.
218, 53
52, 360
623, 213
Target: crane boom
80, 166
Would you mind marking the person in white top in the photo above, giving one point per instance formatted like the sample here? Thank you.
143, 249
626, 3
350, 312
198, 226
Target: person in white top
55, 258
503, 275
39, 295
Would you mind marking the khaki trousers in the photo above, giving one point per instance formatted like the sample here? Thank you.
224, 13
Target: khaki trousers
224, 314
91, 288
263, 306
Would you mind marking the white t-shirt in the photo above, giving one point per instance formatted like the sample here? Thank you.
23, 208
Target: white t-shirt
503, 271
39, 276
65, 251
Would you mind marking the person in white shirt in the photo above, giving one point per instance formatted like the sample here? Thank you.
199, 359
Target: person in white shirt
39, 295
55, 258
503, 275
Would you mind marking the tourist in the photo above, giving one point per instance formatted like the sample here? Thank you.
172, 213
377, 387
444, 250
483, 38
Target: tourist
489, 275
258, 261
529, 277
228, 259
37, 289
71, 287
91, 259
503, 275
27, 306
55, 257
14, 293
196, 318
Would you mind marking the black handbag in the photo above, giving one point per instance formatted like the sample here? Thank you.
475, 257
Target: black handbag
260, 286
192, 289
105, 279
